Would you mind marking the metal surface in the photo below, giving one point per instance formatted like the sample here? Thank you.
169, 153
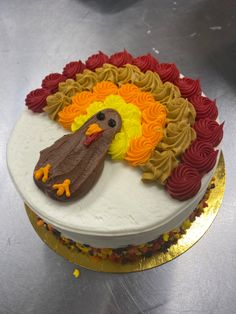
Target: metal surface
38, 37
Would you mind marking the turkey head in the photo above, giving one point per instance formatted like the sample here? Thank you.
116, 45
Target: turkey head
70, 167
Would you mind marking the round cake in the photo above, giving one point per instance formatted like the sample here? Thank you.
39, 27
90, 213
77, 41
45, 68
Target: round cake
114, 154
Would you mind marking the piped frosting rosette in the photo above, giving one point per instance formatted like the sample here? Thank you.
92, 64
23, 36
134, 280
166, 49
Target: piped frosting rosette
168, 128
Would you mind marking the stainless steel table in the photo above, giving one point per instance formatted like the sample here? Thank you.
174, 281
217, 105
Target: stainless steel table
39, 37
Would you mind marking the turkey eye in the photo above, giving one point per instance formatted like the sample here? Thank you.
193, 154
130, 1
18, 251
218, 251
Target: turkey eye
100, 116
112, 123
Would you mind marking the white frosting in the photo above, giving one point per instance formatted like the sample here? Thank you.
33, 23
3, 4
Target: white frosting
119, 210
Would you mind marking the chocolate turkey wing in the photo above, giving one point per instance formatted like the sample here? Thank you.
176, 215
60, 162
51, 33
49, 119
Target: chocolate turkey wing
69, 157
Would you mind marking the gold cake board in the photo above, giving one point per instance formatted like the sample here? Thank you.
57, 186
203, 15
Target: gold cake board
193, 234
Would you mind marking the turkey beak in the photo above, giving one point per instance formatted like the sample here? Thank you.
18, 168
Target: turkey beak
93, 132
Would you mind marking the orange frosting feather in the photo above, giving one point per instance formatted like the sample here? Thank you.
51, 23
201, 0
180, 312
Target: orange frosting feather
153, 131
67, 115
83, 100
143, 100
129, 92
139, 151
103, 89
154, 112
79, 105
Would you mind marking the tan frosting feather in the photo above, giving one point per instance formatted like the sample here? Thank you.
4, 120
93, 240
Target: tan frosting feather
177, 137
56, 103
70, 87
159, 166
180, 109
107, 72
166, 93
87, 79
128, 74
149, 82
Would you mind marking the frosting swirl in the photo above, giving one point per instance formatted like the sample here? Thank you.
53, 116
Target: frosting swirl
166, 92
180, 109
153, 131
103, 89
129, 92
56, 103
188, 87
159, 166
149, 81
177, 137
97, 60
107, 73
36, 99
154, 112
146, 62
201, 156
83, 100
209, 130
128, 74
52, 80
167, 72
139, 151
119, 149
67, 115
71, 69
205, 108
184, 182
87, 79
69, 87
143, 100
121, 58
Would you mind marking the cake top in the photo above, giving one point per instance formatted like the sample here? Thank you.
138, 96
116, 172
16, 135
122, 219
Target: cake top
163, 124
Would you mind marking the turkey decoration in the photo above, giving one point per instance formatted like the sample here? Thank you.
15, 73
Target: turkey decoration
132, 109
70, 167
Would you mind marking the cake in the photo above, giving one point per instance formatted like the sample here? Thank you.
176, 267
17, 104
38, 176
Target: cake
128, 149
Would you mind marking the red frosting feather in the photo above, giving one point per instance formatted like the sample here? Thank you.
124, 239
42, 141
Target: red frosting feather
168, 72
201, 156
52, 80
36, 99
184, 182
71, 69
146, 62
121, 58
96, 61
188, 87
209, 130
205, 108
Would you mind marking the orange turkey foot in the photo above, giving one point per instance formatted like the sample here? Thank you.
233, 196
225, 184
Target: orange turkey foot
62, 188
42, 173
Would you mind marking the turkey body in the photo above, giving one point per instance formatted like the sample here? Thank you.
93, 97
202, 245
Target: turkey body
78, 157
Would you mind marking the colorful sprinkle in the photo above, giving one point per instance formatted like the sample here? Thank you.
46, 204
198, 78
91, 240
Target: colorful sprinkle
76, 273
